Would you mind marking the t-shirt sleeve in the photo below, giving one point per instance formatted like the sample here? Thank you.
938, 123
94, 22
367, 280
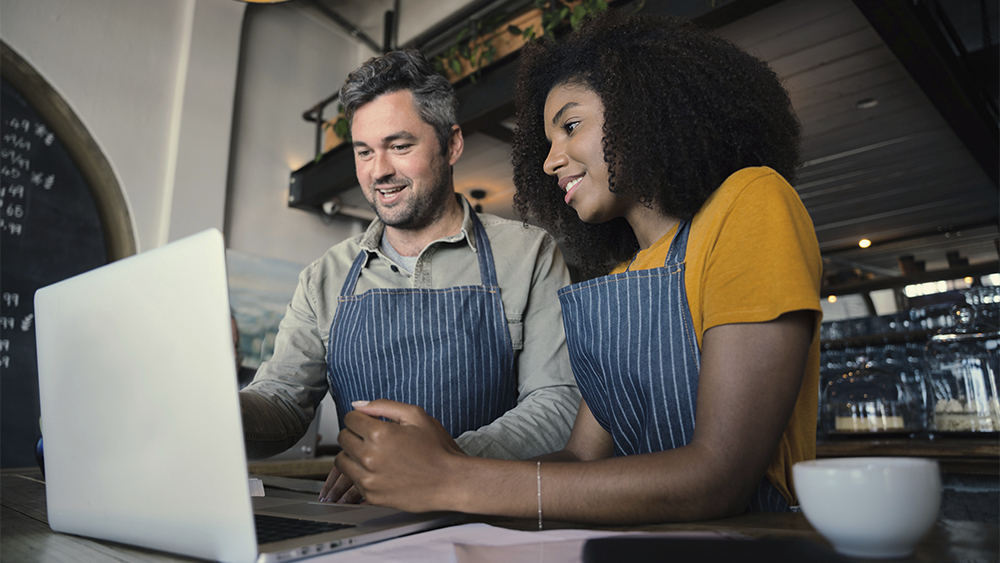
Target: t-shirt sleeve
765, 260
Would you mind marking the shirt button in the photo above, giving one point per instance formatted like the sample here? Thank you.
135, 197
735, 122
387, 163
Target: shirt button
395, 269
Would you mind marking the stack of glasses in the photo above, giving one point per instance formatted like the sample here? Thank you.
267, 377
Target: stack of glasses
927, 369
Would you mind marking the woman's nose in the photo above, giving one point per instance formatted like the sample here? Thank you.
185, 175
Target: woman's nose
555, 160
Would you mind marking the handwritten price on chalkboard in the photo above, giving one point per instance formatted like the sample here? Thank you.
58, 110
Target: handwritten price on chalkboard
40, 130
16, 166
10, 322
13, 300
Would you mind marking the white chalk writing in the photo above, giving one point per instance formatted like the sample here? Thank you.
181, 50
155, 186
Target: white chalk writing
15, 158
13, 191
19, 124
17, 141
11, 228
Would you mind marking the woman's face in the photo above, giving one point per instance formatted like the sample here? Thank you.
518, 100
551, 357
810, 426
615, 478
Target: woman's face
574, 124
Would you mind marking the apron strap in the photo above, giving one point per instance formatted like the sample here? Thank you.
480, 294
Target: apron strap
484, 252
354, 273
678, 246
487, 268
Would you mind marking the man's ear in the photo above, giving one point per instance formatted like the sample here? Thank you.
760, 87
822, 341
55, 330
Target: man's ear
456, 144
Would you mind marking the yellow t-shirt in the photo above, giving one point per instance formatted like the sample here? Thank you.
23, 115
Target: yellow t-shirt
752, 256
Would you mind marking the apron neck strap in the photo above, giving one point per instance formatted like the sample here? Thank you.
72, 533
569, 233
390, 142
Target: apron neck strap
678, 246
484, 252
487, 269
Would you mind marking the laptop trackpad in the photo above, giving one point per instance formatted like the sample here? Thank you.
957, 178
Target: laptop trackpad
331, 512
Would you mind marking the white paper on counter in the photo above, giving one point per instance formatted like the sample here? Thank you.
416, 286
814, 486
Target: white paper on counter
482, 543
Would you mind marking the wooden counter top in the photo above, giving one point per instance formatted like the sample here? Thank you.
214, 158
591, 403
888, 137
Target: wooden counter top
26, 536
310, 468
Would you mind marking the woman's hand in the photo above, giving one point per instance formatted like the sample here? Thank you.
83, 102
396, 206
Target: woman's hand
403, 462
339, 488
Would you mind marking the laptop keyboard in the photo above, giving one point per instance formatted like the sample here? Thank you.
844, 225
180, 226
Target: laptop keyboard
275, 528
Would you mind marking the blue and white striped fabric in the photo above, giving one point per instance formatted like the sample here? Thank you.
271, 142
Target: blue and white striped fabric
636, 359
446, 350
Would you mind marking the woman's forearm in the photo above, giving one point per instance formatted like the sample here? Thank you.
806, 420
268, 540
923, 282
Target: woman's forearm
675, 485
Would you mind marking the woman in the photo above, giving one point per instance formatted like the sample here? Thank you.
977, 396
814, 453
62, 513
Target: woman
655, 146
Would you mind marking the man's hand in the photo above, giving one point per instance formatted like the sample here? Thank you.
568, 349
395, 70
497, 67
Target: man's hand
403, 462
339, 488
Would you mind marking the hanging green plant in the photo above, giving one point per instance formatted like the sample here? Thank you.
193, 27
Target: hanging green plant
340, 129
478, 45
474, 47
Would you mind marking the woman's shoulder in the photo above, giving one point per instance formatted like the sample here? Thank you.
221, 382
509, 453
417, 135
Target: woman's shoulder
755, 182
748, 194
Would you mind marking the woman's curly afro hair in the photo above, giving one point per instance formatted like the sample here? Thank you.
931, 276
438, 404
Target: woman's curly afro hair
683, 110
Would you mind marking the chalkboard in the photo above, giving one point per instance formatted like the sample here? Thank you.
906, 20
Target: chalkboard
52, 226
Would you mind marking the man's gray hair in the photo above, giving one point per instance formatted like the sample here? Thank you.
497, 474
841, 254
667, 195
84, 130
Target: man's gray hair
404, 70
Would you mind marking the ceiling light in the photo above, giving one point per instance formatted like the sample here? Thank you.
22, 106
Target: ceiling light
867, 103
832, 299
864, 243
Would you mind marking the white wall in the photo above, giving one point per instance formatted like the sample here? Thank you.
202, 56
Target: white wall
153, 82
291, 60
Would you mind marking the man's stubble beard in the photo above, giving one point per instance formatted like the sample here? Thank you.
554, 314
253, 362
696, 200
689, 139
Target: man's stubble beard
419, 210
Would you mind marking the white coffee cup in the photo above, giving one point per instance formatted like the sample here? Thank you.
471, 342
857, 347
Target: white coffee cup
877, 507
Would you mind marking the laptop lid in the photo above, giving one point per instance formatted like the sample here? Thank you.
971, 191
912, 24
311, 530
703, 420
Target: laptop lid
141, 417
140, 414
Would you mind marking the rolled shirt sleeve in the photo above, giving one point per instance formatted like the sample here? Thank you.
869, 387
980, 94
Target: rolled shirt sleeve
280, 403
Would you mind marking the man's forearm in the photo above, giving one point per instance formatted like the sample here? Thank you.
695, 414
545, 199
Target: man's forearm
268, 429
539, 424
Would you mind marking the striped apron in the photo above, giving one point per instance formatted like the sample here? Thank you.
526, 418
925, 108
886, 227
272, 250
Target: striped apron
636, 359
446, 350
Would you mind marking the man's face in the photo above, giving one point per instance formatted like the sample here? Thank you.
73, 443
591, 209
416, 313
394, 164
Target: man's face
399, 163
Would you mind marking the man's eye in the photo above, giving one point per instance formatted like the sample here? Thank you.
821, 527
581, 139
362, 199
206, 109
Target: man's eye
400, 147
363, 154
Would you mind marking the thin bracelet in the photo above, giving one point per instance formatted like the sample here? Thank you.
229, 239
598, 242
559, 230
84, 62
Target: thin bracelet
538, 474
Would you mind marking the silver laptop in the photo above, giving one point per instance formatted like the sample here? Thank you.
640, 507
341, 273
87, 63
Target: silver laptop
142, 425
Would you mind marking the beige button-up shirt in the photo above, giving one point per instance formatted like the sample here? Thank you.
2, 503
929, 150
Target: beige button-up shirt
280, 403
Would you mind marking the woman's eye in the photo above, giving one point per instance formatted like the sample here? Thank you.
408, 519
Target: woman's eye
570, 126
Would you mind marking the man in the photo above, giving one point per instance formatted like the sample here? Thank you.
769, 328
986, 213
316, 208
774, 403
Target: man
433, 305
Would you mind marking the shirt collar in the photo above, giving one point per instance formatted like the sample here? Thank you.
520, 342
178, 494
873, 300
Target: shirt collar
373, 235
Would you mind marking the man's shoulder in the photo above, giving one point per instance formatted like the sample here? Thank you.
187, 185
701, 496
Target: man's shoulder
520, 249
338, 258
516, 229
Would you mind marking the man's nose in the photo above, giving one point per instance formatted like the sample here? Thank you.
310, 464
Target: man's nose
382, 166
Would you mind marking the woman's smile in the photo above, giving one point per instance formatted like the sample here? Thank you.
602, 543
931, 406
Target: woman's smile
569, 185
